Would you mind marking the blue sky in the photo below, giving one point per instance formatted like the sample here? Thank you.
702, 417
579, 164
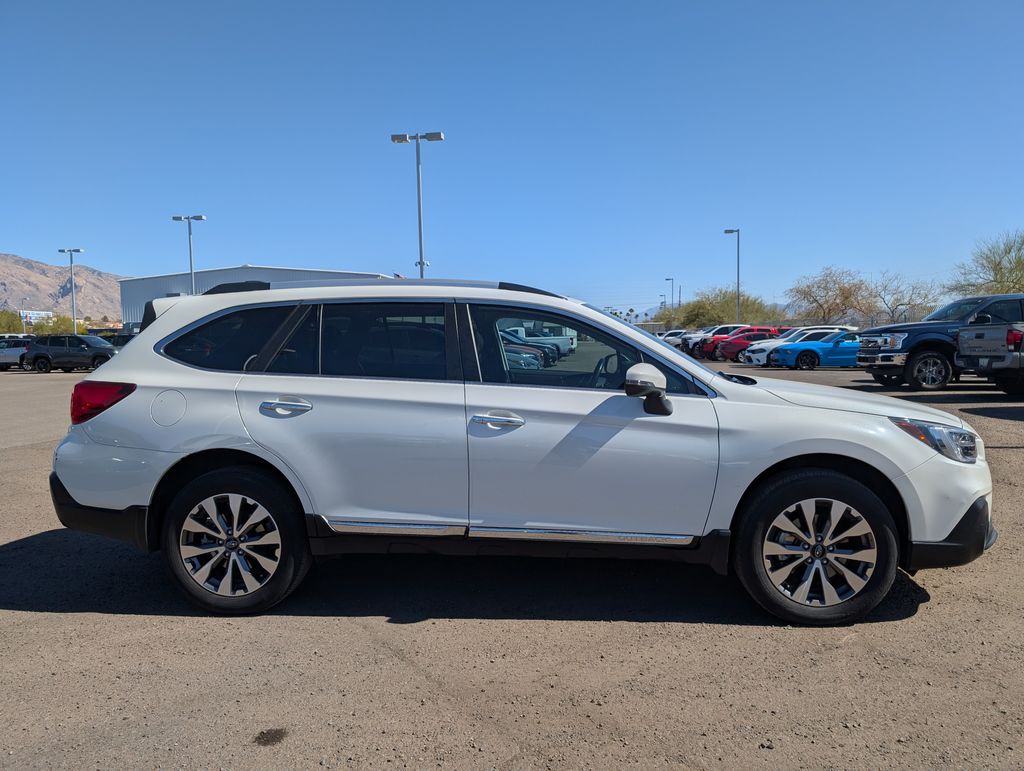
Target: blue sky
593, 148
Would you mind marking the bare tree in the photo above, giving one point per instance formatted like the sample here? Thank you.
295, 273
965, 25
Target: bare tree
830, 296
996, 266
900, 299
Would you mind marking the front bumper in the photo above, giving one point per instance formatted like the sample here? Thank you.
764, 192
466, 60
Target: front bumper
881, 359
131, 524
971, 537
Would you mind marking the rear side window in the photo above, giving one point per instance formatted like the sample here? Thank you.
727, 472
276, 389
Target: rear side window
300, 355
384, 340
229, 341
1004, 311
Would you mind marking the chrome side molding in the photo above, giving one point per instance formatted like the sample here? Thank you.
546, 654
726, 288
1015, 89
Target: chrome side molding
351, 527
391, 528
581, 536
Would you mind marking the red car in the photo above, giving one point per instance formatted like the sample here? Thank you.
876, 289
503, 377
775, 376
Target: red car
730, 347
711, 343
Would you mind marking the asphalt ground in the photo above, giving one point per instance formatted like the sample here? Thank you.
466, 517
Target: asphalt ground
406, 661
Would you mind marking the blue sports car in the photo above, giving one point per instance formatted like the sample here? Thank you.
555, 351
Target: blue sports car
837, 350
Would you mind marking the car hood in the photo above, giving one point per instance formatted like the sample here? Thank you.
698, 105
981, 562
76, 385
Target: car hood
910, 326
849, 400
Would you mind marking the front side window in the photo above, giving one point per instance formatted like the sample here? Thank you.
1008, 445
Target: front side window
956, 310
228, 342
384, 340
583, 356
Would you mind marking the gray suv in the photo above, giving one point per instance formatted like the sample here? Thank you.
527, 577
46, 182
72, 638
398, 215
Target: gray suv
67, 352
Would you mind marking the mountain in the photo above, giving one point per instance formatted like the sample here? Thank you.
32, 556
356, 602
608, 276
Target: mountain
48, 288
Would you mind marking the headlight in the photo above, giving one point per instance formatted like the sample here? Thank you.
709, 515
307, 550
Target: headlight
755, 350
894, 341
955, 443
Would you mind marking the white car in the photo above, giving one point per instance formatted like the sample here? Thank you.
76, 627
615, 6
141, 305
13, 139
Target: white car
758, 352
673, 336
243, 433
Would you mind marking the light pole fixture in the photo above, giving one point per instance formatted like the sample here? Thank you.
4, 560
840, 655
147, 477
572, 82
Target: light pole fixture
401, 139
190, 218
662, 296
729, 232
74, 306
672, 292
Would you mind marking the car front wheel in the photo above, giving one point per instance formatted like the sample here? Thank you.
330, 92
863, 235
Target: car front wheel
816, 547
807, 360
234, 540
928, 371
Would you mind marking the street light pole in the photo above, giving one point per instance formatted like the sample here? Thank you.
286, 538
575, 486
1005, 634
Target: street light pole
24, 302
74, 305
672, 291
191, 264
730, 231
430, 136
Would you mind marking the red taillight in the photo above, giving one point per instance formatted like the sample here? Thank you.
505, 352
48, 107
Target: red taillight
91, 397
1014, 337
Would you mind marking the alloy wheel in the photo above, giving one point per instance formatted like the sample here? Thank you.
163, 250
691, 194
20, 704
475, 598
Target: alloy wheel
807, 360
819, 552
230, 545
930, 371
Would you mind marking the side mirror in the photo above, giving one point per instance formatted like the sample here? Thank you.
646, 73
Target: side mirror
648, 381
982, 318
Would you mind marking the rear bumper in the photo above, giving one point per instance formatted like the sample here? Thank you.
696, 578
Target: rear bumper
971, 537
1010, 364
130, 524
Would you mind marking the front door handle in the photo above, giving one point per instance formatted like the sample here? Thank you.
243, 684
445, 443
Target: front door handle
510, 420
284, 408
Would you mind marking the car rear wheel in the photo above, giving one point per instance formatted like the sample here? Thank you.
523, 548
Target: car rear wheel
234, 539
98, 360
42, 365
928, 371
816, 547
807, 360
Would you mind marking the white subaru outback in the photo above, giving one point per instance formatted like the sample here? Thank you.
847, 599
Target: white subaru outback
244, 432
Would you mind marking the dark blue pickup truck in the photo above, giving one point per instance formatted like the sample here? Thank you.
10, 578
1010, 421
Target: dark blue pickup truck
922, 353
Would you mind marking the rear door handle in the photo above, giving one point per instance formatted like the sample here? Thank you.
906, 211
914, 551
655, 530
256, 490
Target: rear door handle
510, 420
284, 408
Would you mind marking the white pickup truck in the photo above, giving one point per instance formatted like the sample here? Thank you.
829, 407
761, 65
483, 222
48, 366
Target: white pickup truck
565, 344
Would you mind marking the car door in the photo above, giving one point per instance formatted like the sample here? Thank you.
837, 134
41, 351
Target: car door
563, 452
845, 354
58, 349
365, 402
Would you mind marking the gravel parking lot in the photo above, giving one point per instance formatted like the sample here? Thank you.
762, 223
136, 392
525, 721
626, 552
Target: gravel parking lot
507, 663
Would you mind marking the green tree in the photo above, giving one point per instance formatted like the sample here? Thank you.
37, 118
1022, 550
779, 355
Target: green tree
56, 325
10, 321
716, 306
996, 267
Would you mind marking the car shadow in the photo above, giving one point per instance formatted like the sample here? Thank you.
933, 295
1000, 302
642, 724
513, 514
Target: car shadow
63, 571
1003, 412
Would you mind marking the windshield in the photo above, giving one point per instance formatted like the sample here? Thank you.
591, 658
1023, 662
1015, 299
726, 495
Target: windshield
956, 310
95, 342
656, 340
834, 336
793, 334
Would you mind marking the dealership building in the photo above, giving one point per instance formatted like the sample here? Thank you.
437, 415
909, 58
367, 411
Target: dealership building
136, 292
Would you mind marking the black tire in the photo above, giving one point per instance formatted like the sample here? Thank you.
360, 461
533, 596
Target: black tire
42, 365
293, 555
806, 360
99, 360
779, 495
69, 370
928, 371
890, 381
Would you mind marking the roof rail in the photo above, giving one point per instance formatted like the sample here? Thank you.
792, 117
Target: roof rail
255, 286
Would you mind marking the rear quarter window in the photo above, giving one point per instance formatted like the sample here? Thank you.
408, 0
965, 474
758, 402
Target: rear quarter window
228, 341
